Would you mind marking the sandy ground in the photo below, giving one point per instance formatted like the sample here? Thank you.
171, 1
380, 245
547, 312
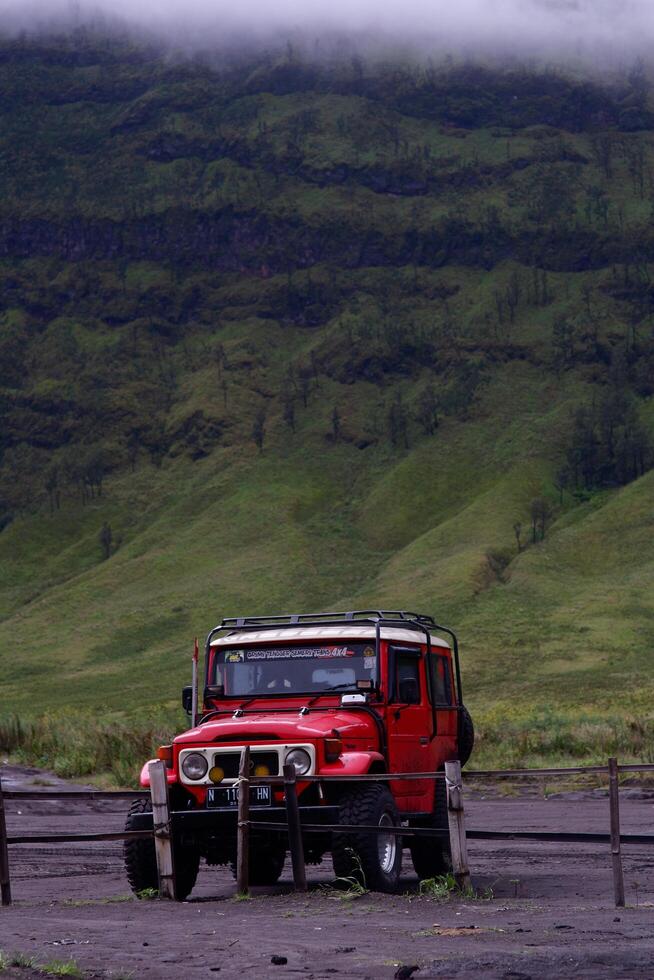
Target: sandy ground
551, 912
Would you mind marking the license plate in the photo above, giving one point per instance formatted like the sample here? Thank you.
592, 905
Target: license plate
227, 796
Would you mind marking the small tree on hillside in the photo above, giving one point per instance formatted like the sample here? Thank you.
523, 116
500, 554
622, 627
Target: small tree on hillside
259, 429
541, 512
106, 539
427, 414
398, 423
336, 423
562, 481
304, 385
289, 411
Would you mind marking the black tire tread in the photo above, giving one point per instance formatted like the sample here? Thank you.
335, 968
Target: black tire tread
265, 865
138, 855
141, 862
431, 855
360, 807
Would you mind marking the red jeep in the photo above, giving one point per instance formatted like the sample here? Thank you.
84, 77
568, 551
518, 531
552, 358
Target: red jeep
335, 694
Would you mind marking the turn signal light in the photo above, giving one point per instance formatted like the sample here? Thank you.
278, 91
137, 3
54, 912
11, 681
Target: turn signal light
261, 770
333, 749
216, 774
165, 753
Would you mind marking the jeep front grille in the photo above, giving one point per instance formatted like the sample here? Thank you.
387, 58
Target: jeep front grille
230, 762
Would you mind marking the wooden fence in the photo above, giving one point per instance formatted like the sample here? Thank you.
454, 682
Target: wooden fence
163, 820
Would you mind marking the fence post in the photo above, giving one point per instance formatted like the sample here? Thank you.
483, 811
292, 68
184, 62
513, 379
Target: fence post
457, 825
616, 856
5, 886
163, 844
243, 829
294, 829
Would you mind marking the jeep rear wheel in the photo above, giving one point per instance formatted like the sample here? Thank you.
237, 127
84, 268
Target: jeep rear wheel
371, 860
265, 864
141, 862
431, 856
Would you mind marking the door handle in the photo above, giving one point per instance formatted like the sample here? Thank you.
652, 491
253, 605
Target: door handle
424, 740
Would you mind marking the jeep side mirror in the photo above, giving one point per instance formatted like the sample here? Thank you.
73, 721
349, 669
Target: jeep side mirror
187, 699
214, 691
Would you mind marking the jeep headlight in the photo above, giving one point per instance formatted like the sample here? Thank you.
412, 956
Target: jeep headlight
300, 759
195, 766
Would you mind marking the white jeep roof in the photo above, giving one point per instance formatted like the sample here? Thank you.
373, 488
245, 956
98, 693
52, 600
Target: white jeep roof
271, 635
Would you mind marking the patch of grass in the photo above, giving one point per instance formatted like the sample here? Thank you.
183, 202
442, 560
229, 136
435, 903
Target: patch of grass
441, 887
20, 960
111, 900
61, 968
147, 894
444, 887
78, 744
352, 886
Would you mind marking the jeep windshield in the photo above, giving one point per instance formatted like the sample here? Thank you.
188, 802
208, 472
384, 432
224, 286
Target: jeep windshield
306, 669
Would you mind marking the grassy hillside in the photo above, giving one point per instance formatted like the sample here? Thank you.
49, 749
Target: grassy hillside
303, 337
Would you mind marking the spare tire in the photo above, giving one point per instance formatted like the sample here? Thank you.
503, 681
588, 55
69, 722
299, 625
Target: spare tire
466, 739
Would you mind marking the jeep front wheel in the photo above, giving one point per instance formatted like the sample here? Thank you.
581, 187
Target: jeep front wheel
141, 862
372, 860
138, 854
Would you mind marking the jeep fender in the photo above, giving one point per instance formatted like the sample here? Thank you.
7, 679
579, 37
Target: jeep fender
144, 778
354, 764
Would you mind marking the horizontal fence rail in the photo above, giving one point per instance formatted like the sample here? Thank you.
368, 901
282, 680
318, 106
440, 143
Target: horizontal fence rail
560, 837
295, 828
78, 838
73, 794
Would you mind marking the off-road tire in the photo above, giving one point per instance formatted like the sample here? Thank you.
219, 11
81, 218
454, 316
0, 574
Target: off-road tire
139, 856
266, 863
187, 865
357, 856
431, 856
466, 735
141, 862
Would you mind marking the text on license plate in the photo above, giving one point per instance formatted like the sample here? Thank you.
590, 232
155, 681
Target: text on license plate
226, 796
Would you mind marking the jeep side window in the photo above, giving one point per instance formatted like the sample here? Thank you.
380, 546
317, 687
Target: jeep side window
407, 677
440, 680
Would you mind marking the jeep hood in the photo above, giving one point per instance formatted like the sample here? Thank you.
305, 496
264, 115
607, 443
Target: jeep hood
286, 726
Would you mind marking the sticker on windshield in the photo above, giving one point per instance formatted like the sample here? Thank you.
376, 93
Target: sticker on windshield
234, 657
299, 653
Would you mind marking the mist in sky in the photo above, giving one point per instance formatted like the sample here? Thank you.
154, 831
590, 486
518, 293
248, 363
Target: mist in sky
590, 29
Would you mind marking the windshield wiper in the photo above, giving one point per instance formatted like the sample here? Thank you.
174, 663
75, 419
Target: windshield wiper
247, 702
334, 687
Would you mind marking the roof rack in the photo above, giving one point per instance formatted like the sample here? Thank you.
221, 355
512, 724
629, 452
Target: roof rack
374, 616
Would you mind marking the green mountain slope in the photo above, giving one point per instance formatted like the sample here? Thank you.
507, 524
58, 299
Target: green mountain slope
307, 337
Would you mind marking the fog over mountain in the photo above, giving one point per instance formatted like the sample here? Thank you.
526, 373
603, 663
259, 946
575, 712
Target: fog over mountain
590, 29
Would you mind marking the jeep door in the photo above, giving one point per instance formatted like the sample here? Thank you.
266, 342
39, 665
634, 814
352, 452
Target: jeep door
409, 725
444, 745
